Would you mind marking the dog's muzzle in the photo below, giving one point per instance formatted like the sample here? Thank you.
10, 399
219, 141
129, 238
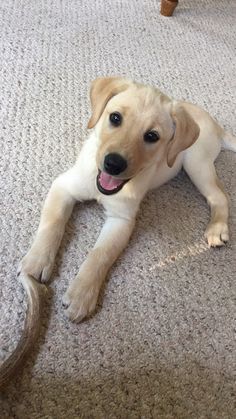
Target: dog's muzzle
107, 183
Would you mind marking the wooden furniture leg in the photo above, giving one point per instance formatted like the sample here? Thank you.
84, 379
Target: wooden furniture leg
168, 7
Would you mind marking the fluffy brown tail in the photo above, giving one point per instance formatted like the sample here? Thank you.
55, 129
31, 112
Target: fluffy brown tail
29, 335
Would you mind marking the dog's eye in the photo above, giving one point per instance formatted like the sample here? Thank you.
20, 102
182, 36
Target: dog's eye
151, 137
115, 119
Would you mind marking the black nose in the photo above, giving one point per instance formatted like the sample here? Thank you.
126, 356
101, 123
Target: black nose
114, 164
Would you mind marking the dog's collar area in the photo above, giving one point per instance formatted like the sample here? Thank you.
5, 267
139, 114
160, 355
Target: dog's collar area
109, 185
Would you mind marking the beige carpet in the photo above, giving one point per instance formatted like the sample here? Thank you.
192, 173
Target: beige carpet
162, 343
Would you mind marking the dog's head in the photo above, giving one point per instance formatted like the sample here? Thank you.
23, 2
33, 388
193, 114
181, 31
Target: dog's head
137, 126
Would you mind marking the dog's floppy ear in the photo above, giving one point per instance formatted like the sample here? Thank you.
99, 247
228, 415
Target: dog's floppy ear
186, 133
102, 90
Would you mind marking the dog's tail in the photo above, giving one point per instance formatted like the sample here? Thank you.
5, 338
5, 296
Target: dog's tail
30, 332
229, 141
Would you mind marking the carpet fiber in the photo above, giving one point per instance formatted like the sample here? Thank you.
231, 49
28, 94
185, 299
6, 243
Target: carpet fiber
162, 342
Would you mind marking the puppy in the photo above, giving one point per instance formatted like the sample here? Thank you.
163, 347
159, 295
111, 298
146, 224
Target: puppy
141, 138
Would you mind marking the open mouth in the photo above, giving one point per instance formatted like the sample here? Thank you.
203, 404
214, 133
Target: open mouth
108, 184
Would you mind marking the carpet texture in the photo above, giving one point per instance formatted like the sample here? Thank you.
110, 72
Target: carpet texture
162, 342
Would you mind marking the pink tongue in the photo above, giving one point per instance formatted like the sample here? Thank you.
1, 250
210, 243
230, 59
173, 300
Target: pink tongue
108, 182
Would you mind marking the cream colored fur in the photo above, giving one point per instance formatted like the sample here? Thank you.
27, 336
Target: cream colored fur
189, 138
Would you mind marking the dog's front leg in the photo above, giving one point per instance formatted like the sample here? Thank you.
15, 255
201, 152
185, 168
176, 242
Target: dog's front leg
81, 296
57, 209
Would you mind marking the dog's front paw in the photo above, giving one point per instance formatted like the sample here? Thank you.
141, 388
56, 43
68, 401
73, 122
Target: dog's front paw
38, 263
217, 234
80, 299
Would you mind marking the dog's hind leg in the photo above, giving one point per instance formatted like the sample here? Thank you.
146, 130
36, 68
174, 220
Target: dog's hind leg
203, 175
81, 296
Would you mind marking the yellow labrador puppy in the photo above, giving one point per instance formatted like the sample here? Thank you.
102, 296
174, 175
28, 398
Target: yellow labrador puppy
140, 139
